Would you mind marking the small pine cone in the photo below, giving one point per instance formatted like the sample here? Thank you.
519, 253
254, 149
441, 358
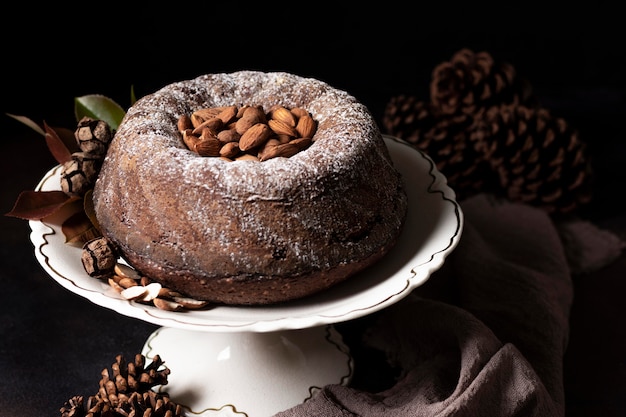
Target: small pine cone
470, 81
79, 174
133, 376
126, 391
99, 257
539, 159
93, 136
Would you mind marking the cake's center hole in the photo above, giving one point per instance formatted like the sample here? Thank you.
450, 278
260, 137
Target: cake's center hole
248, 132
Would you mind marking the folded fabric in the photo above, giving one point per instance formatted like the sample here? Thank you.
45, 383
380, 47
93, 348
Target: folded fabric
484, 336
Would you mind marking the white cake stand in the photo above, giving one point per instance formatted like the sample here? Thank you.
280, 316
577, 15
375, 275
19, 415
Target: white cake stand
257, 361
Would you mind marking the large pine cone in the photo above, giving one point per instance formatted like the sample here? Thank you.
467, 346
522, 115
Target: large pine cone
446, 139
538, 158
471, 80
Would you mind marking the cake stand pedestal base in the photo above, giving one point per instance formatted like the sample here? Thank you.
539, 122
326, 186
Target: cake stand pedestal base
249, 373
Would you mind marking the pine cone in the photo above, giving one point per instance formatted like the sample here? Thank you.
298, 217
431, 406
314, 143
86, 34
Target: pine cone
486, 133
538, 158
447, 139
73, 407
407, 117
470, 81
127, 392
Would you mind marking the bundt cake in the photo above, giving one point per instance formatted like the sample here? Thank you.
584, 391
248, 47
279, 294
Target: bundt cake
249, 232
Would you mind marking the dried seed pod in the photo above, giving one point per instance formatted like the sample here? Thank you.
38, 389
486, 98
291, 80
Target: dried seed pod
99, 257
93, 136
79, 174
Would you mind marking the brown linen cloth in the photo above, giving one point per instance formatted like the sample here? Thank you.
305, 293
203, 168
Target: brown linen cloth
484, 336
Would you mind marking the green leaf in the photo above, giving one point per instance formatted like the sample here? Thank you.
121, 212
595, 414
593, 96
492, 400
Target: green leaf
99, 107
28, 122
133, 97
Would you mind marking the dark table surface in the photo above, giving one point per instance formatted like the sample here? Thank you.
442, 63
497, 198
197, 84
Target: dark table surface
54, 344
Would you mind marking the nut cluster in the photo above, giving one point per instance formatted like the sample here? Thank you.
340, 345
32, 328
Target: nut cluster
133, 286
248, 132
100, 260
80, 172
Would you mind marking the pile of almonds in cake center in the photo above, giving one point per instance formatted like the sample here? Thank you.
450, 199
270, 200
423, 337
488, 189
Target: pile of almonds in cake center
247, 132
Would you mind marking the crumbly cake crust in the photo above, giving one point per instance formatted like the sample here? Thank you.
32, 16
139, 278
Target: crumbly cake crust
248, 232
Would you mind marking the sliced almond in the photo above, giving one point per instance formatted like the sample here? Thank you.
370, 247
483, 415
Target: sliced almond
152, 291
136, 292
125, 282
167, 305
117, 287
124, 270
190, 303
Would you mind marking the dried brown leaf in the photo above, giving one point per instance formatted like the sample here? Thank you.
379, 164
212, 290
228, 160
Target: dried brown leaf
78, 229
36, 205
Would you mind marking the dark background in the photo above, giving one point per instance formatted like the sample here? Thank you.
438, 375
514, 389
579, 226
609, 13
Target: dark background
53, 344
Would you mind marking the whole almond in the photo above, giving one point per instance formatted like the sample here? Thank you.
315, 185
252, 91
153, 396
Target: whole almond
228, 135
306, 126
184, 123
301, 143
299, 112
214, 124
230, 150
228, 114
282, 128
250, 117
208, 147
255, 136
206, 133
287, 149
266, 148
284, 149
206, 113
246, 157
281, 114
190, 139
